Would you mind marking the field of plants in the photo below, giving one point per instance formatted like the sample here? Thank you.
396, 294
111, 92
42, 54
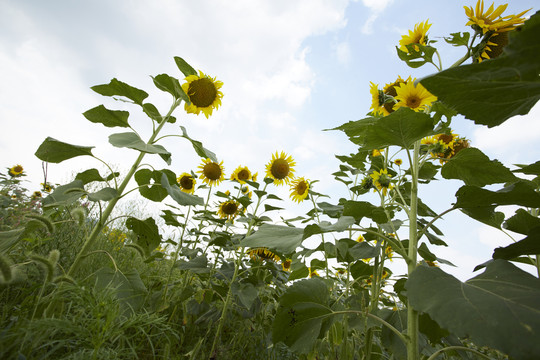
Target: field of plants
85, 275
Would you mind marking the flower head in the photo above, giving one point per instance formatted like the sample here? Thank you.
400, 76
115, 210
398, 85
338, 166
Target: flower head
382, 181
46, 187
360, 238
377, 100
263, 254
241, 174
187, 183
416, 36
398, 162
280, 168
286, 265
313, 272
229, 209
413, 96
203, 92
491, 19
36, 195
299, 189
16, 171
212, 173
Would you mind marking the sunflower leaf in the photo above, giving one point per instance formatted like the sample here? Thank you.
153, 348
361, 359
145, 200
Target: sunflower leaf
54, 151
131, 140
171, 85
522, 222
116, 87
477, 308
178, 195
198, 146
519, 193
109, 118
527, 246
149, 182
184, 67
493, 91
283, 239
147, 232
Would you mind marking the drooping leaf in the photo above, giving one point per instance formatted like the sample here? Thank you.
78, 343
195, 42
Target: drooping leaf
128, 287
363, 250
171, 85
109, 118
198, 146
522, 222
475, 168
246, 292
178, 195
147, 232
198, 265
300, 315
485, 214
184, 67
116, 87
105, 194
133, 141
493, 91
532, 169
92, 175
54, 151
361, 209
149, 182
65, 194
519, 193
342, 224
498, 308
528, 246
356, 130
283, 239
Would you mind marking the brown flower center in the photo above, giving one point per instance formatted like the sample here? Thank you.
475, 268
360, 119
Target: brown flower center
229, 208
413, 102
392, 92
243, 174
186, 182
202, 92
500, 40
301, 188
280, 169
18, 168
446, 138
212, 171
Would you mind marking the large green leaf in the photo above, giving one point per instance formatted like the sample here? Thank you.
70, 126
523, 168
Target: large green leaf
65, 194
105, 194
361, 209
128, 287
498, 308
109, 118
149, 182
520, 193
532, 169
342, 224
475, 168
493, 91
171, 85
522, 222
133, 141
147, 232
92, 175
54, 151
528, 246
401, 128
116, 87
486, 215
283, 239
356, 130
178, 195
299, 319
198, 146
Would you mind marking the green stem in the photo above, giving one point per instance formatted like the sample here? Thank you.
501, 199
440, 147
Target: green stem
110, 207
322, 235
412, 315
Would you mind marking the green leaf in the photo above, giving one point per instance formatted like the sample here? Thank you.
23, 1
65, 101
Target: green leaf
361, 209
147, 232
184, 67
199, 148
283, 239
149, 182
363, 250
299, 319
458, 39
520, 193
522, 222
65, 194
475, 168
127, 286
247, 293
92, 175
342, 224
171, 85
498, 308
198, 265
116, 87
54, 151
486, 215
401, 128
532, 169
133, 141
493, 91
109, 118
356, 130
178, 195
9, 238
105, 194
528, 246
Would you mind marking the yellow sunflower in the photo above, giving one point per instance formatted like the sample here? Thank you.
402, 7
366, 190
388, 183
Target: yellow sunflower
203, 92
313, 272
398, 162
187, 183
360, 238
413, 96
262, 254
229, 209
241, 174
16, 171
377, 152
299, 189
212, 173
382, 181
280, 168
445, 146
245, 191
36, 195
491, 19
286, 265
46, 187
390, 93
377, 100
416, 36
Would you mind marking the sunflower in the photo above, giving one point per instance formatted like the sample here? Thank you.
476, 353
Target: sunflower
241, 174
360, 238
286, 265
390, 93
187, 183
16, 171
262, 253
203, 92
299, 189
389, 252
229, 209
46, 187
491, 20
416, 36
398, 162
445, 146
280, 168
377, 152
367, 183
313, 272
377, 100
212, 172
413, 96
381, 180
37, 195
245, 192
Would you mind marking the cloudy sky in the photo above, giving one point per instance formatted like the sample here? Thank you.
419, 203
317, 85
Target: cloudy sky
290, 69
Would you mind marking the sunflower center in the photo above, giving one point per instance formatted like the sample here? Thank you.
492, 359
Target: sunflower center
280, 169
229, 208
301, 188
212, 171
243, 174
202, 92
446, 138
391, 90
413, 102
18, 168
186, 182
500, 40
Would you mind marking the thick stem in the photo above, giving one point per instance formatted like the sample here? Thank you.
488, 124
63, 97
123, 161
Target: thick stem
412, 315
110, 207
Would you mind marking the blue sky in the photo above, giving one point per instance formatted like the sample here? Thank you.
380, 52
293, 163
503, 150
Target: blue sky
290, 69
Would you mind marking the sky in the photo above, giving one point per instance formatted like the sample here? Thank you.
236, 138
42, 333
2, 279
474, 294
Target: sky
290, 69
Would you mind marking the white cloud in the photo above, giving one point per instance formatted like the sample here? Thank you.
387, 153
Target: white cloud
343, 52
376, 7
